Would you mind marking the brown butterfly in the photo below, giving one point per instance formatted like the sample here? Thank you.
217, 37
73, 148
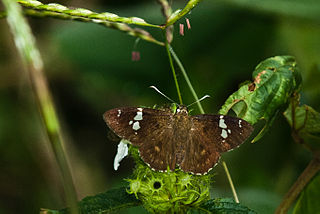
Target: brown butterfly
169, 139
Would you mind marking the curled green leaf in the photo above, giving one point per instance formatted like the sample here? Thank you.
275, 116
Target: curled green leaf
275, 80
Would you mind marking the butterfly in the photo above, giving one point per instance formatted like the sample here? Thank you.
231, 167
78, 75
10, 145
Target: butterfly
170, 139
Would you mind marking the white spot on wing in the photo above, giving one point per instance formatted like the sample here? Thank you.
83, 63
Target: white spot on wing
224, 133
136, 126
122, 152
222, 123
119, 113
240, 123
130, 122
138, 116
229, 131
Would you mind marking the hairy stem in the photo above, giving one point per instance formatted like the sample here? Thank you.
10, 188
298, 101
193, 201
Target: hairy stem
33, 63
55, 10
309, 172
37, 9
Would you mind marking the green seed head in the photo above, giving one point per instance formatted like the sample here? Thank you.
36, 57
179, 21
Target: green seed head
171, 191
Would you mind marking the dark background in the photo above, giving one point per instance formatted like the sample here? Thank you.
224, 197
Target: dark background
89, 69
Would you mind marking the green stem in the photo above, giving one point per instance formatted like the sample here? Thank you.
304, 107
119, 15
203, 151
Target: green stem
37, 9
312, 169
235, 196
185, 75
79, 13
168, 48
25, 43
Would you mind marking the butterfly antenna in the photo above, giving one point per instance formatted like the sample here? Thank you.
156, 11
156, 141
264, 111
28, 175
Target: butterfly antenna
202, 98
157, 90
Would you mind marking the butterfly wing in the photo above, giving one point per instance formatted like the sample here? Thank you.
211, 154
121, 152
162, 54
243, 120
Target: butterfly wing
224, 132
209, 136
149, 129
198, 155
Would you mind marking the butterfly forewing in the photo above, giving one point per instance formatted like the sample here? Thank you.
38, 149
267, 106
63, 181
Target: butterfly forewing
149, 129
221, 131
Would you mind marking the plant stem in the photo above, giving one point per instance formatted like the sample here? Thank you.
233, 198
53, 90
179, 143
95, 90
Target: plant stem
168, 48
37, 9
185, 75
235, 196
30, 55
309, 172
167, 11
58, 10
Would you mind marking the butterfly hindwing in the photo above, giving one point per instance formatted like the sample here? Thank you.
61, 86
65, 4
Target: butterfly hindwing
199, 156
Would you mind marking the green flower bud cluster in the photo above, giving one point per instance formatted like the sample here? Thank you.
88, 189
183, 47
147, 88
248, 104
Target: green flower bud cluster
170, 191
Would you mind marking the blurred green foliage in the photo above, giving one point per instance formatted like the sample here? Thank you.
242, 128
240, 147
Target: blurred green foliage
90, 71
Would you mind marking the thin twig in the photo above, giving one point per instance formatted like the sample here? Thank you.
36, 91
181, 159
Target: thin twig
168, 47
235, 196
185, 75
167, 11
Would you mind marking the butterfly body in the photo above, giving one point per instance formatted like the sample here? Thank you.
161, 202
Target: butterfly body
170, 139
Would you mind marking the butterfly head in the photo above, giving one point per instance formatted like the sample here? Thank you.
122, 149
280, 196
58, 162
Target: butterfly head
181, 110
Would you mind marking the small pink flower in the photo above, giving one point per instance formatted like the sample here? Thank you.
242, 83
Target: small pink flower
135, 55
188, 23
181, 29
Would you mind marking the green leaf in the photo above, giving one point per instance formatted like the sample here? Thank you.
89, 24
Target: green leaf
275, 80
308, 202
222, 206
109, 201
305, 122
